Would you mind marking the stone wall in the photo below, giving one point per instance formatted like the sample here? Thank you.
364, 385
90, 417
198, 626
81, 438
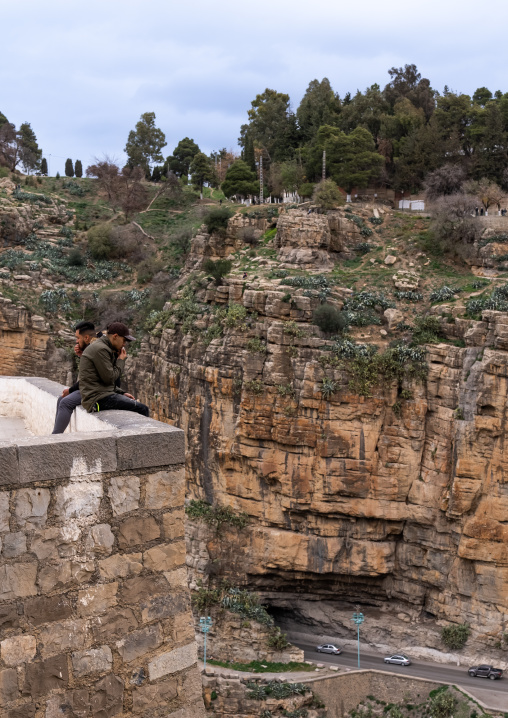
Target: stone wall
95, 615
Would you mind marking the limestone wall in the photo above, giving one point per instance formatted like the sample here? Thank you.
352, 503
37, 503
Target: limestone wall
95, 613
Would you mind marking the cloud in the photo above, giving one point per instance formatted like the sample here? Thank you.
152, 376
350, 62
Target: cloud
82, 74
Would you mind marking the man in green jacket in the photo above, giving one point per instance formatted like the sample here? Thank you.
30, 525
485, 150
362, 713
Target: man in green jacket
100, 367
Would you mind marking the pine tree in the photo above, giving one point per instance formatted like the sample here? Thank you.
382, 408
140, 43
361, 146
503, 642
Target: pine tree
44, 166
78, 168
69, 168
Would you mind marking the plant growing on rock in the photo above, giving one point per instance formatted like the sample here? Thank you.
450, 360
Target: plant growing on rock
327, 195
455, 636
328, 387
217, 270
216, 516
292, 329
330, 319
217, 219
255, 387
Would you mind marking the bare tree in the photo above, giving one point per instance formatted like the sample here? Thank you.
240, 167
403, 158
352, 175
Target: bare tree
446, 180
488, 192
106, 170
454, 221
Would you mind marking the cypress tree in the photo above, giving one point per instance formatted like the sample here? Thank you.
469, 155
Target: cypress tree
44, 166
249, 157
78, 168
69, 168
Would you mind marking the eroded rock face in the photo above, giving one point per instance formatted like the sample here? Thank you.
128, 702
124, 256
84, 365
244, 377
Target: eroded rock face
348, 499
27, 345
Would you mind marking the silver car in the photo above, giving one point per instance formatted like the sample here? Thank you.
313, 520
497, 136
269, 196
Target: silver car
399, 659
329, 648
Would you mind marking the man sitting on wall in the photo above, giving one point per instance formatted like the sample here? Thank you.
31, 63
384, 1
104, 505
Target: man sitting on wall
71, 397
100, 368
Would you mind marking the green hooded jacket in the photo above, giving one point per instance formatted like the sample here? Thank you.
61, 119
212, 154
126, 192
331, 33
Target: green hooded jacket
99, 368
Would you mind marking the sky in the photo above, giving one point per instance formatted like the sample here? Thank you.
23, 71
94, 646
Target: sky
83, 73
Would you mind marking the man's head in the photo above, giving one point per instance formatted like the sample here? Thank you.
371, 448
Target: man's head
118, 334
85, 332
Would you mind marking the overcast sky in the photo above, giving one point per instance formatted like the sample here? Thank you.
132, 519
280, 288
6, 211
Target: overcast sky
83, 73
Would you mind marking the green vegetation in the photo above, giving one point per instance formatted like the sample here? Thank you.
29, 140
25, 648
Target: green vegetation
256, 346
327, 195
455, 636
217, 270
330, 319
263, 666
217, 517
216, 220
275, 689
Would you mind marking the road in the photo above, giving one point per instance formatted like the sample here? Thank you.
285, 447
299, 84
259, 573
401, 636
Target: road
423, 669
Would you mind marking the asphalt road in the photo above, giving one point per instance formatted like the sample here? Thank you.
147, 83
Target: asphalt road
423, 669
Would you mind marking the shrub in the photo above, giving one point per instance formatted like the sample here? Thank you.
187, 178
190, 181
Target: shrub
255, 387
455, 636
409, 295
293, 330
444, 294
329, 319
362, 248
249, 235
327, 195
442, 705
328, 387
217, 219
277, 639
217, 270
256, 346
235, 316
100, 243
75, 258
306, 189
148, 268
427, 330
216, 516
4, 172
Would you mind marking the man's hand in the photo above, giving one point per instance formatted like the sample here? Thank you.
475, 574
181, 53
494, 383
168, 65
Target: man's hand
65, 392
77, 349
123, 354
129, 396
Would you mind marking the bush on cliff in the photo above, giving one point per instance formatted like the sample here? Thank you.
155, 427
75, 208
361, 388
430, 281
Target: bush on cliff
327, 195
218, 269
217, 219
100, 243
455, 636
330, 319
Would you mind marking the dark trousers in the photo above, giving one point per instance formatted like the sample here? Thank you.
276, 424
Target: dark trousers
119, 401
64, 408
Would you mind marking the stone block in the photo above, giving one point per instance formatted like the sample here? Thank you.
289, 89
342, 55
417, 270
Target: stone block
165, 557
17, 581
14, 545
173, 525
31, 507
71, 704
9, 466
124, 494
135, 590
100, 540
137, 530
177, 578
45, 609
8, 686
139, 643
56, 541
64, 574
114, 625
17, 650
121, 565
158, 448
4, 511
172, 661
27, 710
92, 660
97, 599
165, 489
78, 500
9, 617
41, 677
64, 456
63, 635
195, 711
107, 697
148, 698
166, 605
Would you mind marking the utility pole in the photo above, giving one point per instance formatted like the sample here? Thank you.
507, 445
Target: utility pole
260, 179
324, 165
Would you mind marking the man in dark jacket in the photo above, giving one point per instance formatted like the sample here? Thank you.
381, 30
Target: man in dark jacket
101, 367
71, 397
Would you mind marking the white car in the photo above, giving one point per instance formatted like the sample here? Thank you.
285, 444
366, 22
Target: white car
329, 648
398, 659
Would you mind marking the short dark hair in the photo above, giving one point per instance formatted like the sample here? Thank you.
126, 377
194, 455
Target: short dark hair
85, 327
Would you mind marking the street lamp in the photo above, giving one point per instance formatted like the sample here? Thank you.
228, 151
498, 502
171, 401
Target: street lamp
358, 618
205, 623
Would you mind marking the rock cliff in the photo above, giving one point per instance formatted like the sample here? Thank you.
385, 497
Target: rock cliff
396, 499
